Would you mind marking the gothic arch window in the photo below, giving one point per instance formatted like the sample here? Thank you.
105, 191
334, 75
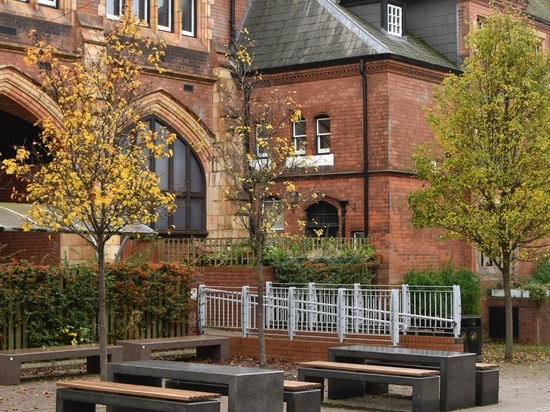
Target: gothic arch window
322, 220
183, 175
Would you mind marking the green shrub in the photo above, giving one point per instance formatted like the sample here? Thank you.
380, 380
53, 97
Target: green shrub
147, 296
335, 264
538, 292
59, 306
542, 272
470, 289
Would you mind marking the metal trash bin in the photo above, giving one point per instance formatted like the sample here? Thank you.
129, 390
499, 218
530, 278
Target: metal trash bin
470, 330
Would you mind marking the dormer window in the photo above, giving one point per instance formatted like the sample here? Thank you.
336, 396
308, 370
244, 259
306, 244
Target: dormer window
395, 20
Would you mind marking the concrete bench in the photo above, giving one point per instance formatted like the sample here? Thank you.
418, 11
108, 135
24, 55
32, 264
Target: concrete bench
249, 389
83, 396
487, 380
487, 377
299, 396
11, 360
425, 383
208, 347
302, 396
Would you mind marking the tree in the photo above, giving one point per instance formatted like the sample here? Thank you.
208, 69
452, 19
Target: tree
489, 181
91, 173
257, 160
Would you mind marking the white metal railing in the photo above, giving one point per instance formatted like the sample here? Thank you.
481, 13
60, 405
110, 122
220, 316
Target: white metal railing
358, 309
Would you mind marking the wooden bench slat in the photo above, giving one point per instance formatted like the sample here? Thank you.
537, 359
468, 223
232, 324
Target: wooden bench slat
300, 386
207, 346
139, 390
356, 367
56, 352
486, 366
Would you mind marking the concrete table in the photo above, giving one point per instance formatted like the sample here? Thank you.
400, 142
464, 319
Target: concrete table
457, 369
249, 389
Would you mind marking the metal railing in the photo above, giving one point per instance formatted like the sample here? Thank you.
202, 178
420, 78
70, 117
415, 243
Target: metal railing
358, 309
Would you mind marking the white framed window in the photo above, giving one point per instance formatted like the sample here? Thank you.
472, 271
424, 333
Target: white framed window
114, 9
140, 8
323, 134
165, 15
51, 3
274, 215
188, 17
262, 140
299, 137
395, 20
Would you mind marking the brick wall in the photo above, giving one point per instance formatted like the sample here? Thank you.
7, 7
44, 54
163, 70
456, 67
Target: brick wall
304, 350
396, 96
533, 322
37, 247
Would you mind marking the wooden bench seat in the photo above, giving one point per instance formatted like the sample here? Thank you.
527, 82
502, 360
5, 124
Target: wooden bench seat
11, 360
480, 366
207, 347
425, 382
299, 396
370, 368
83, 396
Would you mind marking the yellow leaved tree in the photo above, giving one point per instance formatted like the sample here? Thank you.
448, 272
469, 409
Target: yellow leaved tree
258, 157
90, 173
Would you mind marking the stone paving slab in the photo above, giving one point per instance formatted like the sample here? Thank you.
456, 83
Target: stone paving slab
523, 388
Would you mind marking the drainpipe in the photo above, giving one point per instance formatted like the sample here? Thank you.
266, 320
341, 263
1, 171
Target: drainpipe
232, 21
365, 152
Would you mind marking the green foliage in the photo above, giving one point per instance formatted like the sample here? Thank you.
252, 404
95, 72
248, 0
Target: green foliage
538, 292
55, 305
333, 263
59, 306
470, 289
488, 175
542, 272
539, 284
144, 296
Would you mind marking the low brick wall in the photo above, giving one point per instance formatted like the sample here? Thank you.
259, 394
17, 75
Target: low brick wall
533, 322
311, 349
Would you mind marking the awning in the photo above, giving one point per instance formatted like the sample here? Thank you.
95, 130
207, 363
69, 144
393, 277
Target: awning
13, 215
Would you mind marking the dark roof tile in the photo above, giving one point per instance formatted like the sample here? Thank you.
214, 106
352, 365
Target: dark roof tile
290, 33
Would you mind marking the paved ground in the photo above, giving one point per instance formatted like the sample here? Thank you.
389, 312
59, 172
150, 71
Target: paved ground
523, 388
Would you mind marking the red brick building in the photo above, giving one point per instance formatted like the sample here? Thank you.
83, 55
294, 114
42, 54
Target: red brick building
362, 70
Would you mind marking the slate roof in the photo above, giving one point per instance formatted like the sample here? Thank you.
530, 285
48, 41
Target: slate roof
539, 9
290, 33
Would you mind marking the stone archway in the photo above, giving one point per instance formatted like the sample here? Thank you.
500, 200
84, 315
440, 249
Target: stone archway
21, 96
184, 122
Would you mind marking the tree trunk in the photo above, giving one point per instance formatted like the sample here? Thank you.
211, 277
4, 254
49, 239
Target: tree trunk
260, 308
508, 313
102, 321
